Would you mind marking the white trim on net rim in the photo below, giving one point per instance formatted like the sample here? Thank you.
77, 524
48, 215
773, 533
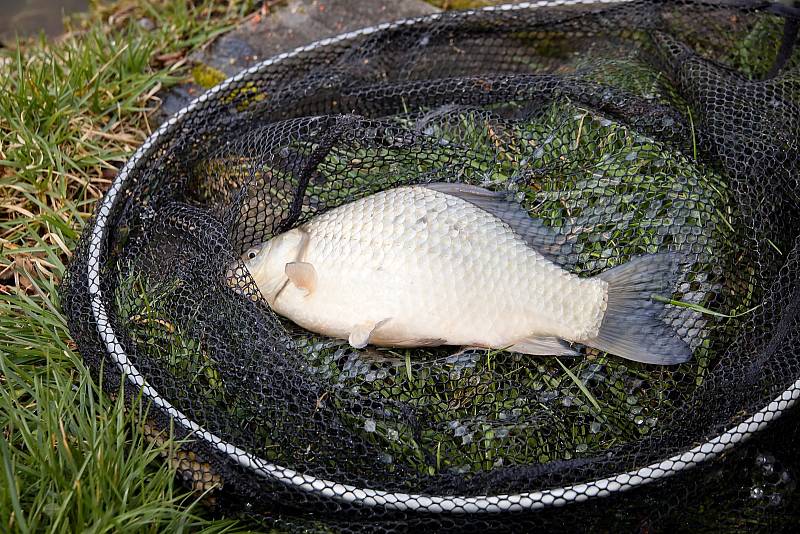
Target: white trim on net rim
373, 497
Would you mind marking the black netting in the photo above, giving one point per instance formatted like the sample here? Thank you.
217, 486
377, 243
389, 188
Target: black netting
627, 129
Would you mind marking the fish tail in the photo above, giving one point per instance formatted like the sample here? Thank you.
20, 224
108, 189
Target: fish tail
632, 326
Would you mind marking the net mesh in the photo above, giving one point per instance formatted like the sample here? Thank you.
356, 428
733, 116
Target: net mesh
627, 128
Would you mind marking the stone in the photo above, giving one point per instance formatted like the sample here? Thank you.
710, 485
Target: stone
26, 18
146, 24
282, 27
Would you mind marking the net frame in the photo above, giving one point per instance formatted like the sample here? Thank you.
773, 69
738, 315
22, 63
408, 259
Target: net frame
344, 493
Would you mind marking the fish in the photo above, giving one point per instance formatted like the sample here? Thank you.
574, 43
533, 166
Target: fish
455, 264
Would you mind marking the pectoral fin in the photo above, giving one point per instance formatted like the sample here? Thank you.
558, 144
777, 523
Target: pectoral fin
543, 346
303, 275
359, 336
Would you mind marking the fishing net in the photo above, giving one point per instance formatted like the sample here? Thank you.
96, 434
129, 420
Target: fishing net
625, 127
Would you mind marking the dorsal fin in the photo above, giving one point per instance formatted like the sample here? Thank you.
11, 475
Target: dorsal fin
536, 234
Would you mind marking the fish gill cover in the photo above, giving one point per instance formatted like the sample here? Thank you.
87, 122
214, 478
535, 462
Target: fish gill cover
627, 128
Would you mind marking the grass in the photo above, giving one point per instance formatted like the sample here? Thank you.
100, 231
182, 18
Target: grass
72, 458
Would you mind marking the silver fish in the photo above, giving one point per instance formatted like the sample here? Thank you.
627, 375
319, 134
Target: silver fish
454, 264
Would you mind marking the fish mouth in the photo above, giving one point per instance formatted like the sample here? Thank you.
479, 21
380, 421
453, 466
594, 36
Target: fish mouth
235, 272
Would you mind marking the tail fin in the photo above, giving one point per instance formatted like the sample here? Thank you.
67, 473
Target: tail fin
631, 327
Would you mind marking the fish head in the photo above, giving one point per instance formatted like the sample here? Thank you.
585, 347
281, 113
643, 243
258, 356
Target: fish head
266, 262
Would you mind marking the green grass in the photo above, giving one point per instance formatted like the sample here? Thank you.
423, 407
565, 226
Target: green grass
72, 458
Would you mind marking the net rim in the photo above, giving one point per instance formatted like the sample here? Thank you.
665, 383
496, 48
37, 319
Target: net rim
349, 494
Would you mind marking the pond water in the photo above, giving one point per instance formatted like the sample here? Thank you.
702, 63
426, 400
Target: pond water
29, 17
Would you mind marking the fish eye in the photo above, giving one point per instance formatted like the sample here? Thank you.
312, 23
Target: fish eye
251, 254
